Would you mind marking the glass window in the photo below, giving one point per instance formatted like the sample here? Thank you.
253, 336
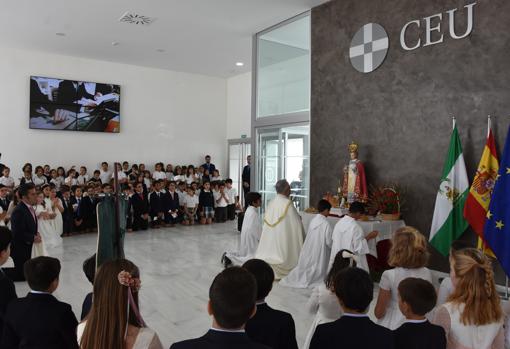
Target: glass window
283, 69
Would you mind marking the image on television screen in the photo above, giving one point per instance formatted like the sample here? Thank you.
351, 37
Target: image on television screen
57, 104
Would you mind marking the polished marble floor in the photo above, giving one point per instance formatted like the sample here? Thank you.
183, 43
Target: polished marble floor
177, 266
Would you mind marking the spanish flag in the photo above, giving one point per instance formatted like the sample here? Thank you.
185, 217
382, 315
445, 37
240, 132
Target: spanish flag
479, 198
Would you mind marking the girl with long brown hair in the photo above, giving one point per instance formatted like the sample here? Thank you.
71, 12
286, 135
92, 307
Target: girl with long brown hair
472, 317
409, 256
114, 320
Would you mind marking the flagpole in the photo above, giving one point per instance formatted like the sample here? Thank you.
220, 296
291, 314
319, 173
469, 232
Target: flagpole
488, 125
454, 121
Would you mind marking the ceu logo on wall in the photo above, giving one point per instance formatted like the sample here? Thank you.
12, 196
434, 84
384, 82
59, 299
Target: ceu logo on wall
369, 47
370, 44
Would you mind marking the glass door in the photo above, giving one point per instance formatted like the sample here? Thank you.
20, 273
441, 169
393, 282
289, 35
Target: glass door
238, 152
283, 152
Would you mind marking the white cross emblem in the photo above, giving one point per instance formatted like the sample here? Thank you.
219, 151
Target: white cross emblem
369, 47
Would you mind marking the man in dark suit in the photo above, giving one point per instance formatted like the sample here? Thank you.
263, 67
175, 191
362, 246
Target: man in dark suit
246, 175
355, 291
24, 230
270, 327
39, 320
232, 299
208, 165
7, 289
140, 205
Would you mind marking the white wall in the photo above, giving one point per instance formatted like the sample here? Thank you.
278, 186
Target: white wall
239, 106
165, 116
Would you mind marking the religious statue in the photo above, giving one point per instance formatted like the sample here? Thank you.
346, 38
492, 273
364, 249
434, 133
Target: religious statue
354, 185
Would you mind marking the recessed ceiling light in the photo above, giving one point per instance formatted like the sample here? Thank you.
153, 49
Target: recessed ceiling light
60, 34
160, 50
115, 43
240, 64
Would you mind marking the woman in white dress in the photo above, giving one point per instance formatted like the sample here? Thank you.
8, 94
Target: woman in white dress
409, 256
323, 302
472, 318
114, 321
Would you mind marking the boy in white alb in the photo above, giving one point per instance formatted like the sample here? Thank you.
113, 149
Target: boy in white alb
348, 235
233, 199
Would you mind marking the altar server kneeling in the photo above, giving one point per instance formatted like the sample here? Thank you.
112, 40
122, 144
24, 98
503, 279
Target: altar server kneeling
250, 233
313, 262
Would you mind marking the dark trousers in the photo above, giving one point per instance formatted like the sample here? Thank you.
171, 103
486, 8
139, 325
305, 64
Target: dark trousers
21, 253
171, 220
221, 214
231, 212
139, 223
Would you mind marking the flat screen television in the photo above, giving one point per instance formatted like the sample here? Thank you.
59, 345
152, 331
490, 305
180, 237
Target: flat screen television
70, 105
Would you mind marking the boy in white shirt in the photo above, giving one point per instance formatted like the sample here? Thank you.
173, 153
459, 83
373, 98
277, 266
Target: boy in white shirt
83, 178
233, 199
181, 191
221, 200
105, 173
6, 179
190, 207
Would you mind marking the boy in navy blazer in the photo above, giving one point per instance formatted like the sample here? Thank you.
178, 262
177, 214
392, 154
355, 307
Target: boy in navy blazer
232, 299
355, 291
269, 326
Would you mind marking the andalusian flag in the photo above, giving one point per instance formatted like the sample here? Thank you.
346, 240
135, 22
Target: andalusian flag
448, 223
479, 198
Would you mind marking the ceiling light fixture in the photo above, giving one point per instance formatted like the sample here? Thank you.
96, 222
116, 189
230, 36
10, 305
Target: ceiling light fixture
240, 64
160, 50
115, 43
60, 34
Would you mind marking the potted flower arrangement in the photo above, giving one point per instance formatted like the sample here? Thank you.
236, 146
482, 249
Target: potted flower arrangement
386, 201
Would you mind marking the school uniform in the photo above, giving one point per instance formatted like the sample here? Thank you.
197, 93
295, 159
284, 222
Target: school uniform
140, 204
206, 202
81, 211
157, 207
105, 176
221, 207
220, 339
190, 202
7, 294
39, 321
7, 181
419, 334
67, 216
83, 179
352, 331
231, 207
173, 207
273, 328
4, 204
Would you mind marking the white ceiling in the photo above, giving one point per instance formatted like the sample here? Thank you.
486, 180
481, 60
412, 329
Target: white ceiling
198, 36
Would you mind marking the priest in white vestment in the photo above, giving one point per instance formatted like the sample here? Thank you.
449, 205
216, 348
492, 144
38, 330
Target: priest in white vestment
250, 232
313, 262
348, 235
282, 233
